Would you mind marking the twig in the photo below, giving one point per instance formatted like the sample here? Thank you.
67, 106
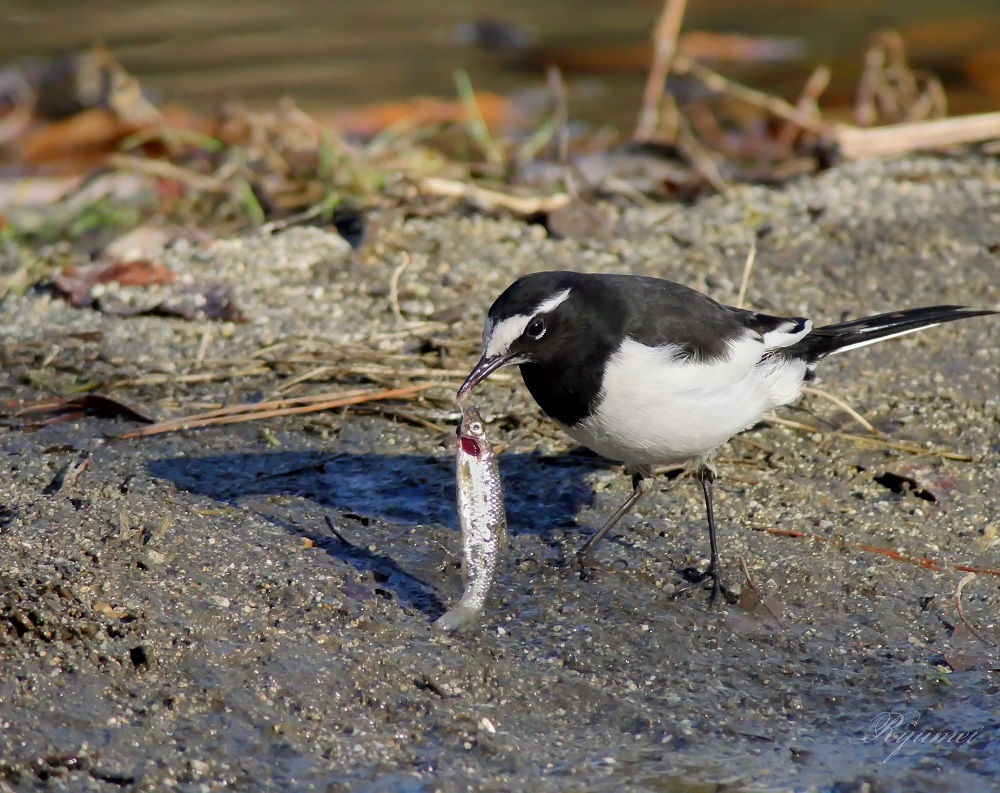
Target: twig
747, 269
410, 416
206, 339
250, 407
288, 385
865, 110
808, 103
773, 104
558, 88
394, 285
68, 475
836, 400
924, 562
162, 169
665, 48
896, 139
13, 124
961, 612
299, 217
699, 157
199, 377
478, 128
491, 199
760, 598
242, 413
885, 443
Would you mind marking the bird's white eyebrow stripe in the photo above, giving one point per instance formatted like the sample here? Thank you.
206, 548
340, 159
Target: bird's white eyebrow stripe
504, 333
552, 302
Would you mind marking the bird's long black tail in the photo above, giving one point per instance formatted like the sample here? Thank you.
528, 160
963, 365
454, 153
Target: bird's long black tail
831, 339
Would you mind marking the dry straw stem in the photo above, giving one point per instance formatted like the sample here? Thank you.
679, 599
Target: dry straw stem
961, 612
162, 169
871, 440
664, 51
808, 102
918, 561
394, 286
493, 199
855, 142
279, 407
836, 400
896, 139
747, 269
772, 104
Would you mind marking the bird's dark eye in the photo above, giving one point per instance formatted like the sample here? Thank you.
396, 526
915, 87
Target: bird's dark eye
536, 328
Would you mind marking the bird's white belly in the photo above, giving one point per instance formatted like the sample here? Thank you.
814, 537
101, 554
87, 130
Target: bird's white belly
651, 413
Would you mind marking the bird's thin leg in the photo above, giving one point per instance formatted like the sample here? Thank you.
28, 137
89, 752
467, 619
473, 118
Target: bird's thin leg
706, 476
642, 483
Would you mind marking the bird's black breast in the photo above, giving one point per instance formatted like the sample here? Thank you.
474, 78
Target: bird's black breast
567, 394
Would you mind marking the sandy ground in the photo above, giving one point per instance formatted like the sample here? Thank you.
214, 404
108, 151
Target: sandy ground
182, 614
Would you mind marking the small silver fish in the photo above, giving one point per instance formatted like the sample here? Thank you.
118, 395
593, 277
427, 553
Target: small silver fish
481, 512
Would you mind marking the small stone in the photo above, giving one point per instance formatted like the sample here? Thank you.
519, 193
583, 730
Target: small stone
153, 558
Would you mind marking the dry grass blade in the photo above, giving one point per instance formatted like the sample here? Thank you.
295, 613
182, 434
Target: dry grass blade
895, 139
918, 561
765, 602
394, 286
162, 169
699, 156
747, 269
312, 374
279, 407
836, 400
196, 377
665, 48
493, 199
872, 440
808, 102
961, 612
772, 104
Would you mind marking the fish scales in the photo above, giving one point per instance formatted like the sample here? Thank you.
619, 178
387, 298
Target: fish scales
482, 516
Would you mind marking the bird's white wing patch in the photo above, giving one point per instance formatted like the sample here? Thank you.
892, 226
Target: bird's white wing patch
786, 334
498, 336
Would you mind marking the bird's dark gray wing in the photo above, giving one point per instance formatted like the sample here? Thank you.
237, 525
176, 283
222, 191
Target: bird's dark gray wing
661, 312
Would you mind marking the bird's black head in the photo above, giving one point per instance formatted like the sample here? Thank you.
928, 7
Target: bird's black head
550, 322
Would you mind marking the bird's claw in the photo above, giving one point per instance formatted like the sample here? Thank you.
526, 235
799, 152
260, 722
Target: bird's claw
584, 565
696, 578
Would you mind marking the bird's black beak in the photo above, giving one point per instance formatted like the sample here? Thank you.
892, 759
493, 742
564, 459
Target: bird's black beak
482, 370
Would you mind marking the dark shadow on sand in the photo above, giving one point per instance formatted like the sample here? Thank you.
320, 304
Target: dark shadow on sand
362, 492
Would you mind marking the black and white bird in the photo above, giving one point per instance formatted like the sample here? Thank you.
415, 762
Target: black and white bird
649, 372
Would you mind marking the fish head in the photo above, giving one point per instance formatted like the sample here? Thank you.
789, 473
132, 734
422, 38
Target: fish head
472, 431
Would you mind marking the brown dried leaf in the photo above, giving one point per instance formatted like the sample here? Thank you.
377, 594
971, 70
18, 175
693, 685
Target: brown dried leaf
99, 405
199, 301
77, 283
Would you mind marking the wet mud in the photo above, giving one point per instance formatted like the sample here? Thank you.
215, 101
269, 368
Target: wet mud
250, 605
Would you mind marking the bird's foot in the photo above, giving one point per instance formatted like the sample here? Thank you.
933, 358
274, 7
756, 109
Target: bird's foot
697, 579
585, 565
